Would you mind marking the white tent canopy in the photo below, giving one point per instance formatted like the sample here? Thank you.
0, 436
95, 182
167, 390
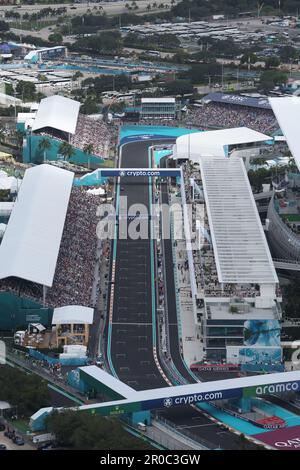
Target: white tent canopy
31, 242
212, 143
57, 112
72, 314
9, 183
96, 191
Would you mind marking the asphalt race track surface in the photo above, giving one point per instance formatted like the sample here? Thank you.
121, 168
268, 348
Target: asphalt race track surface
132, 339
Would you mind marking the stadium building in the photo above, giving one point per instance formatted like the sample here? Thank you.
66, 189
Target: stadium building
235, 289
158, 108
225, 110
283, 217
58, 119
47, 53
47, 253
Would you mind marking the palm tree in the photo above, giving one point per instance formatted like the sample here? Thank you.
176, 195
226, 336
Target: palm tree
2, 135
88, 149
44, 145
19, 135
66, 150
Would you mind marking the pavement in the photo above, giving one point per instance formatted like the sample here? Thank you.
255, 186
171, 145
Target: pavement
132, 339
11, 446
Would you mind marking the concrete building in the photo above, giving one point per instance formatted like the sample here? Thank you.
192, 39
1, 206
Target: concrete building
72, 324
158, 108
234, 285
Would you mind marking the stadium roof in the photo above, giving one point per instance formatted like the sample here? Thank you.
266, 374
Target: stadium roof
57, 112
72, 314
238, 100
157, 100
213, 143
31, 242
33, 53
241, 251
287, 112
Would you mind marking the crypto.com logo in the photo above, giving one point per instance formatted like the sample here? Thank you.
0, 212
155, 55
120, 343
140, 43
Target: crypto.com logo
168, 402
2, 353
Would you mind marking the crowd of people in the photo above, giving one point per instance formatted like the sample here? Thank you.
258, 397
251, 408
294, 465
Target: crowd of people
221, 115
74, 274
96, 133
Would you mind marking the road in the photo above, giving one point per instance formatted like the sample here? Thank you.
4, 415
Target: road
132, 326
11, 446
174, 342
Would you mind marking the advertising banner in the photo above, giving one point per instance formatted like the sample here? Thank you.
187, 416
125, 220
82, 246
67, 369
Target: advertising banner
138, 172
192, 398
282, 439
270, 389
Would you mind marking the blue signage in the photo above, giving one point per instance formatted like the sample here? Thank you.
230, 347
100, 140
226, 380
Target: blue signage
147, 172
191, 399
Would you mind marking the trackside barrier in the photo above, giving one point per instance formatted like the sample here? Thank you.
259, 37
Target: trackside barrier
191, 439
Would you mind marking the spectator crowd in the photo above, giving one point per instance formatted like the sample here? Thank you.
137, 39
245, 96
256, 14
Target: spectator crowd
74, 274
221, 115
96, 133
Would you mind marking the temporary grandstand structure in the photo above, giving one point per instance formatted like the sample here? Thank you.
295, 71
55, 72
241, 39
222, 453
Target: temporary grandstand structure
57, 112
287, 112
239, 100
213, 143
31, 242
241, 251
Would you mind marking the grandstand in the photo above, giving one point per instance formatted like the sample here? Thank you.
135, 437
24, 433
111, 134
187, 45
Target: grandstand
234, 286
58, 119
48, 251
223, 110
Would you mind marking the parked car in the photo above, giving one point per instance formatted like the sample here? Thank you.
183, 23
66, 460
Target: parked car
18, 441
3, 447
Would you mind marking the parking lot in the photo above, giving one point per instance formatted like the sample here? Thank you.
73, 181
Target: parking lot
11, 446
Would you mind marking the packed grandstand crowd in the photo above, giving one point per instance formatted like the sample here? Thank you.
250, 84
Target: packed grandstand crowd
96, 133
74, 274
221, 115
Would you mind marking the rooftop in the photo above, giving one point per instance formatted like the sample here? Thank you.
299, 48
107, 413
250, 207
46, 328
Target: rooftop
213, 143
241, 251
287, 112
31, 242
57, 112
73, 314
157, 100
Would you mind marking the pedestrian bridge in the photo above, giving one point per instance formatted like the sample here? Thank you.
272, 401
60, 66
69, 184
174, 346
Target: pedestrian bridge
286, 264
133, 401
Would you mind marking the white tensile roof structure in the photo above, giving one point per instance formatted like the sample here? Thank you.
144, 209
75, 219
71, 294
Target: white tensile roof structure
287, 112
213, 143
72, 314
57, 112
241, 251
31, 242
